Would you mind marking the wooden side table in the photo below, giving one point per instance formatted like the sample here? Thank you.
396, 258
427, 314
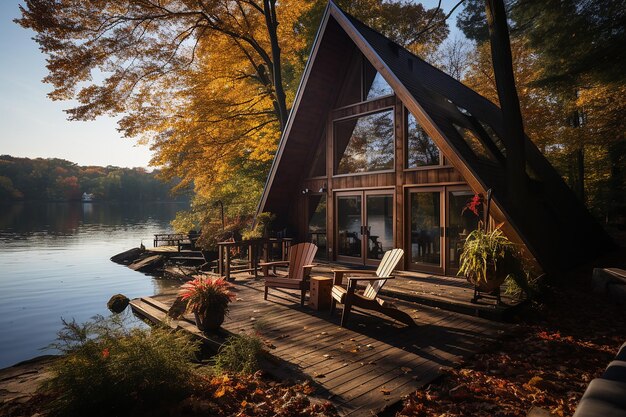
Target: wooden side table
319, 293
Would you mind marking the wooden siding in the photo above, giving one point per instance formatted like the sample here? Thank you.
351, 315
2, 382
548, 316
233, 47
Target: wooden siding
438, 175
395, 180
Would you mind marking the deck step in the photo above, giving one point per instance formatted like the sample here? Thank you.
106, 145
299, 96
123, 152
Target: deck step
156, 312
148, 264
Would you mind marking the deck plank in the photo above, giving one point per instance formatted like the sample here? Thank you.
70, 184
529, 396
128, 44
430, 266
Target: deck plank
359, 381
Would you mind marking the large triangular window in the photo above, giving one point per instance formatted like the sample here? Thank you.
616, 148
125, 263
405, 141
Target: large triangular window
374, 85
420, 148
365, 143
378, 88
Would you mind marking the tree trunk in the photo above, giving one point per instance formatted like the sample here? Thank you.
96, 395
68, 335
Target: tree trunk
509, 103
580, 172
616, 211
280, 101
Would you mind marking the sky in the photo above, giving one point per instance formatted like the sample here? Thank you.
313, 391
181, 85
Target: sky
32, 125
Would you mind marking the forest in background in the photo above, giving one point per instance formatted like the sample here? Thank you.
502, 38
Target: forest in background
53, 179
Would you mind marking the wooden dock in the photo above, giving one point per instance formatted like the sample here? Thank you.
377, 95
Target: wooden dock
362, 369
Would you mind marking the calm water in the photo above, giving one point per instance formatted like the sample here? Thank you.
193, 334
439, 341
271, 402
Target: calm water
54, 263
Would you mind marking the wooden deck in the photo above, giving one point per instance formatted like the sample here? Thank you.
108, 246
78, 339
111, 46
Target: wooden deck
448, 293
362, 369
163, 249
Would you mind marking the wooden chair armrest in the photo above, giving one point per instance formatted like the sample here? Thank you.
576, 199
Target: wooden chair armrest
265, 267
276, 263
367, 278
307, 271
339, 273
354, 271
353, 281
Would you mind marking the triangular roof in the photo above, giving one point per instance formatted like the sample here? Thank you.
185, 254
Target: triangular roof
561, 227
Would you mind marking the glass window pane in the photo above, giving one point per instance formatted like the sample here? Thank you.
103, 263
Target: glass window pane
317, 223
461, 221
379, 225
494, 137
352, 88
425, 228
421, 150
365, 143
349, 226
473, 141
378, 88
489, 133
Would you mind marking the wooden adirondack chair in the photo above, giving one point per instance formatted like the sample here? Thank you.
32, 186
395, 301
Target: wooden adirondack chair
369, 299
299, 264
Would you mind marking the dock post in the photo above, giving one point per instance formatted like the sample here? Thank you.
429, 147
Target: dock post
227, 265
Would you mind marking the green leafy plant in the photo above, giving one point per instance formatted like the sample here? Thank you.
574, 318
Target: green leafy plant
240, 354
110, 369
262, 228
205, 294
252, 234
487, 257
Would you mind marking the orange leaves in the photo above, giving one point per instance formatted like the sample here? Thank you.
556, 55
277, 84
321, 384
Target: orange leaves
221, 391
547, 366
250, 395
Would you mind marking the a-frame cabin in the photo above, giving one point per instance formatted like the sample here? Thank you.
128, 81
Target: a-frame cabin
382, 150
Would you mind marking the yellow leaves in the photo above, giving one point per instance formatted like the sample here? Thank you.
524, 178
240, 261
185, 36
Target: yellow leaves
220, 391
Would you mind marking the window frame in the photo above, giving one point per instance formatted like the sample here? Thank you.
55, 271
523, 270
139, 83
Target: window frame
390, 108
405, 145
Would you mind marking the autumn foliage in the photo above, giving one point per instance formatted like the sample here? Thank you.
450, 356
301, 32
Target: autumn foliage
546, 363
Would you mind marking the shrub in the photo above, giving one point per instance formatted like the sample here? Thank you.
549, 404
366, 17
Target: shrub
240, 354
109, 369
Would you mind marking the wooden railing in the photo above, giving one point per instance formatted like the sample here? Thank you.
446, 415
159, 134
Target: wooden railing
177, 239
254, 250
170, 239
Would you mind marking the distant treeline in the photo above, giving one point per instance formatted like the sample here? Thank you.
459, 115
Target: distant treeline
54, 179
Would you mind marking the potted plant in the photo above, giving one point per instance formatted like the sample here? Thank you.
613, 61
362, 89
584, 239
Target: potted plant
208, 299
488, 257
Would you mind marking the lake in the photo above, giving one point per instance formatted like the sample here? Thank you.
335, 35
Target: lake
54, 263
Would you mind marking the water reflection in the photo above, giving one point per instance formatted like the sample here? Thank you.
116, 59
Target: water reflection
55, 263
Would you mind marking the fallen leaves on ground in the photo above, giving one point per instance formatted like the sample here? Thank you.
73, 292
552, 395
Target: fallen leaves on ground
238, 395
547, 364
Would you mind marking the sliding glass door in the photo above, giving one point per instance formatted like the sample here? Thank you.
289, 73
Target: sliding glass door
364, 225
439, 220
425, 230
461, 221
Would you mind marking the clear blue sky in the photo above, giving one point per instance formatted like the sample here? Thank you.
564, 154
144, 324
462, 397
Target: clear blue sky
32, 125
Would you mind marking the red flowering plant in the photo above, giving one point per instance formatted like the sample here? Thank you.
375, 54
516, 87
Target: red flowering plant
474, 205
208, 298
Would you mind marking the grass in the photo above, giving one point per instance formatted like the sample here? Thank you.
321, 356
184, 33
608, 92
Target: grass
240, 354
109, 369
